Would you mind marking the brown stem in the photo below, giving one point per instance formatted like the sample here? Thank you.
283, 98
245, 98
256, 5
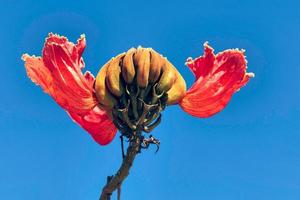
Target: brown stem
116, 180
119, 192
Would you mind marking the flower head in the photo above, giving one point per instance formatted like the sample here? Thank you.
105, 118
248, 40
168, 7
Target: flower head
133, 88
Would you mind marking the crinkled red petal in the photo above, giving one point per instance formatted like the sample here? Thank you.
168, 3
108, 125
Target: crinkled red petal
64, 61
59, 73
218, 77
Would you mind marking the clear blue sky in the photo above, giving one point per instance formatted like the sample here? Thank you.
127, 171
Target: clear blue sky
249, 151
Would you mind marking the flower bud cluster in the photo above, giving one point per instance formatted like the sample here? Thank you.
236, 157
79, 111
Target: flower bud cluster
134, 87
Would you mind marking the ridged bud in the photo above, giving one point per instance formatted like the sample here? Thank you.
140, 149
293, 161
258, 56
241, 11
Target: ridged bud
134, 87
142, 68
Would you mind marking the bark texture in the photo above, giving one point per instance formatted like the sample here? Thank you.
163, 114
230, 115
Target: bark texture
115, 181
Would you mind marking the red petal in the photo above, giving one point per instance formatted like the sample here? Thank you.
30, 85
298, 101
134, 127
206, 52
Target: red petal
59, 74
218, 77
97, 123
64, 60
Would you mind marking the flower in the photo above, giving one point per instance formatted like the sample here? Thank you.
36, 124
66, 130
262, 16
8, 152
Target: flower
59, 73
218, 77
132, 88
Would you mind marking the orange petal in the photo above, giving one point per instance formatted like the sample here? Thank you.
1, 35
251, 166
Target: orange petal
38, 73
97, 123
218, 77
59, 73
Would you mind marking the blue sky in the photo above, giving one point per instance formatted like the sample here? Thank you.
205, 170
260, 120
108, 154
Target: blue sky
248, 151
